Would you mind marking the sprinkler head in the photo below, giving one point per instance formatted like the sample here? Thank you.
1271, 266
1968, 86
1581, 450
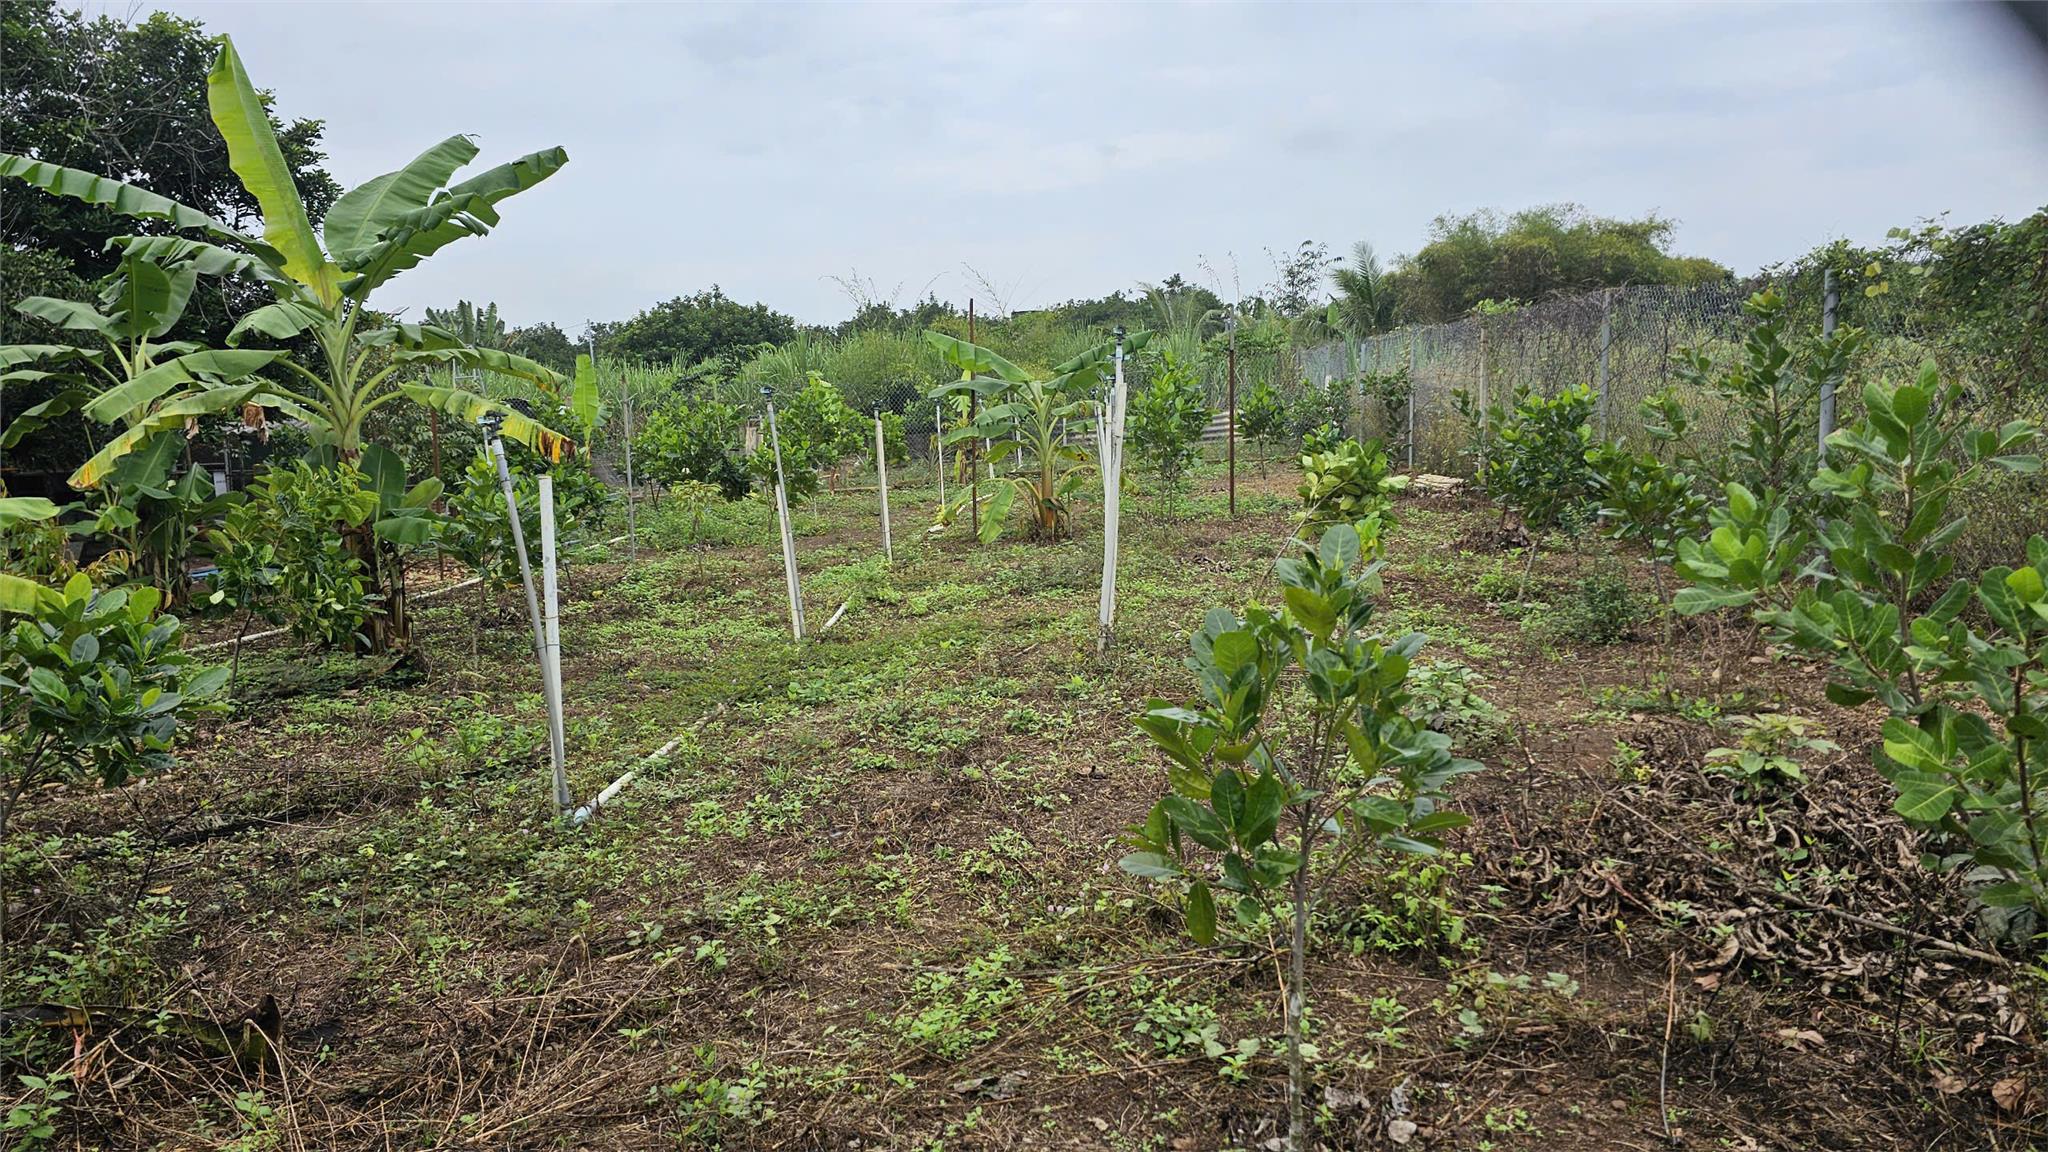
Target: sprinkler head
491, 422
766, 391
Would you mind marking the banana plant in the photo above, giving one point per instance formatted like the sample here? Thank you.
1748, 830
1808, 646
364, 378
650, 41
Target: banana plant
323, 285
1023, 417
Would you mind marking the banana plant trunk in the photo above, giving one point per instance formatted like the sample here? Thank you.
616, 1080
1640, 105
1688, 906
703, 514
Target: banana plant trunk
389, 628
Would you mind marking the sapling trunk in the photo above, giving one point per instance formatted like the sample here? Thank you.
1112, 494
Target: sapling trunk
1297, 963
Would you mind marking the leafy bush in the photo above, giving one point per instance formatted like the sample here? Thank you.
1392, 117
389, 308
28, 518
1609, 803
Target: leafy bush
1167, 418
693, 442
1389, 394
1315, 406
289, 527
1967, 744
1647, 501
97, 683
1447, 700
817, 430
1764, 761
1253, 813
479, 533
1537, 465
1347, 483
1776, 388
1262, 417
1602, 609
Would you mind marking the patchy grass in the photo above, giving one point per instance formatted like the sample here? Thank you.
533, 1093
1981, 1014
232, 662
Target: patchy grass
870, 899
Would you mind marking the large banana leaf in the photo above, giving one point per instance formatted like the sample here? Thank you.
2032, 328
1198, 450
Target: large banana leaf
469, 407
200, 368
207, 259
280, 321
425, 342
71, 315
151, 297
22, 595
126, 199
974, 359
253, 153
585, 402
358, 219
170, 415
30, 419
13, 354
19, 509
466, 209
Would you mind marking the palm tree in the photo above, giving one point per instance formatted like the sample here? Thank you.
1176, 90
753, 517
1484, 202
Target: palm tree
1365, 300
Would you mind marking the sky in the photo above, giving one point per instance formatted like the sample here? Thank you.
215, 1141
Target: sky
1025, 154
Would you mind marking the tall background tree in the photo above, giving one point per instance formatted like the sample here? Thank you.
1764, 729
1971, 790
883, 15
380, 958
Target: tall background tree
1536, 253
694, 328
1366, 304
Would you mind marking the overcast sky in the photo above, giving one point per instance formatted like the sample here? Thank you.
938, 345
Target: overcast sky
1069, 151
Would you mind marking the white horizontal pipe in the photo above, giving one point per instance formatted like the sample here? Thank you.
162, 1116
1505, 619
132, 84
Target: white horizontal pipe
582, 815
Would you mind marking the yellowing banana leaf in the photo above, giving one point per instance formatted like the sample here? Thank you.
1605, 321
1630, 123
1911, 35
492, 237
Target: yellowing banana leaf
469, 407
253, 153
172, 414
202, 368
358, 219
19, 594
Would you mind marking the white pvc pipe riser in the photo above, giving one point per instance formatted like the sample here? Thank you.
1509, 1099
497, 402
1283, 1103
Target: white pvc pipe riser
551, 623
789, 577
882, 479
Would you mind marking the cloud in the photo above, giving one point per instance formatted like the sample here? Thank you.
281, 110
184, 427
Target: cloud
1076, 149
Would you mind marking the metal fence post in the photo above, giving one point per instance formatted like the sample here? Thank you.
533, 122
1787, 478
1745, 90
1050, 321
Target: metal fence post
1606, 342
1411, 399
1831, 301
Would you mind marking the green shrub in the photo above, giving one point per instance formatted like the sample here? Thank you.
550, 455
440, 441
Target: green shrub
1537, 466
1602, 609
1764, 761
1262, 417
1963, 674
97, 683
1316, 405
1252, 812
817, 430
1167, 418
294, 519
1447, 700
693, 442
1348, 483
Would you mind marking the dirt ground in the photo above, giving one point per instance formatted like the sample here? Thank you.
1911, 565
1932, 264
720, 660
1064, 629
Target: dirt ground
870, 899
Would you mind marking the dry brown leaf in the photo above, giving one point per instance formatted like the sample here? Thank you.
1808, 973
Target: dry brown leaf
2011, 1094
